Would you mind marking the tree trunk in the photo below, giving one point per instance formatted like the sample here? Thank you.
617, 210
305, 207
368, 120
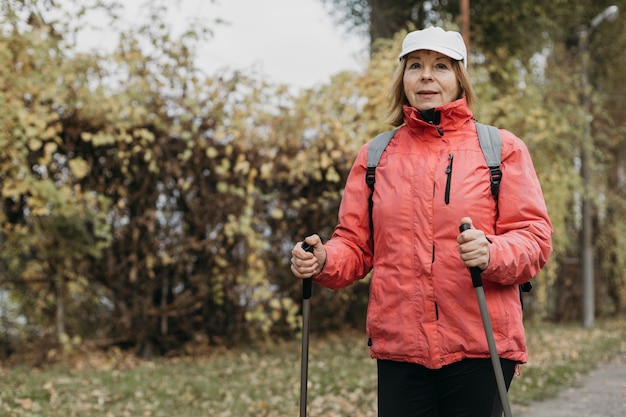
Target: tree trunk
60, 316
164, 292
388, 17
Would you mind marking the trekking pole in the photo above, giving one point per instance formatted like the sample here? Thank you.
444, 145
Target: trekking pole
307, 287
493, 351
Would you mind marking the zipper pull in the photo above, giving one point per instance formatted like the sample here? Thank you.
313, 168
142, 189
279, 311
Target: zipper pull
449, 179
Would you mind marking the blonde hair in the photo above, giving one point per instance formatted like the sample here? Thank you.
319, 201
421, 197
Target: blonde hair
397, 99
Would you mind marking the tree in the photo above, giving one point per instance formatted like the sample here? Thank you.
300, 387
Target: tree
182, 181
49, 226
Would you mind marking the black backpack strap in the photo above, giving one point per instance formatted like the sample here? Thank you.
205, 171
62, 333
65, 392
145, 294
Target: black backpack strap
374, 151
491, 145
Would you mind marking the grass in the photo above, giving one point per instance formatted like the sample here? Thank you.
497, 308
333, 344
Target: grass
266, 382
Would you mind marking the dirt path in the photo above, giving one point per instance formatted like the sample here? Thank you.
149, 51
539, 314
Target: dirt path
602, 393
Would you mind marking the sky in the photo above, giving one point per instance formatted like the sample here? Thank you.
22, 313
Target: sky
292, 42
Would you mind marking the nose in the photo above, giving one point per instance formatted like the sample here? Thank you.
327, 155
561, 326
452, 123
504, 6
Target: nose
427, 74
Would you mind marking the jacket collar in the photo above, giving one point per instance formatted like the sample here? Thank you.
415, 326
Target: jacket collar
449, 117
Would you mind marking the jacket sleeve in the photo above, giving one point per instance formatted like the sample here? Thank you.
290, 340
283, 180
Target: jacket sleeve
522, 242
349, 252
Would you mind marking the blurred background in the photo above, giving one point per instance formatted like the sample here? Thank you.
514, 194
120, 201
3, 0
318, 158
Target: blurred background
158, 160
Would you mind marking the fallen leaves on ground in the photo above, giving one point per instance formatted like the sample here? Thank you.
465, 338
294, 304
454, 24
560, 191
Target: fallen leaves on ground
265, 382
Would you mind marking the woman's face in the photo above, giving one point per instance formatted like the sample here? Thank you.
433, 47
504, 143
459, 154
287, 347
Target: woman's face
429, 80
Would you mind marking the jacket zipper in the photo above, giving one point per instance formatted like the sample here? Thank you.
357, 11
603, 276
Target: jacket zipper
449, 179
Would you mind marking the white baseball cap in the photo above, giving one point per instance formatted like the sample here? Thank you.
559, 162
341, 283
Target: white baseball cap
449, 43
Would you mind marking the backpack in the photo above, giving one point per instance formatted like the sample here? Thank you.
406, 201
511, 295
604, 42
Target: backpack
490, 143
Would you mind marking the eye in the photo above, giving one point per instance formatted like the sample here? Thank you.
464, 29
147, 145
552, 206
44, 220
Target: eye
442, 66
414, 65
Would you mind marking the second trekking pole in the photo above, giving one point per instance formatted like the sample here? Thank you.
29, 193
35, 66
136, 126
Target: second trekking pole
477, 281
307, 287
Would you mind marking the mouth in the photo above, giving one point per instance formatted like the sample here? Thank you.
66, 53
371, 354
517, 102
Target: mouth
426, 93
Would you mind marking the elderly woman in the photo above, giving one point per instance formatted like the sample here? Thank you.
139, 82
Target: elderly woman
424, 326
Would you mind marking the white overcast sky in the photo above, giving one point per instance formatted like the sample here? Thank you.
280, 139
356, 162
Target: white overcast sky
294, 42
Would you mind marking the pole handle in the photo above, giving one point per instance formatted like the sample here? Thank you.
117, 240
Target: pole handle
475, 271
307, 283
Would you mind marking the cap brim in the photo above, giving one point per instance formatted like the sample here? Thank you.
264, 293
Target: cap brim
441, 49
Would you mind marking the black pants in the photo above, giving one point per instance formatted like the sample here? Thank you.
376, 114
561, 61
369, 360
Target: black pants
464, 389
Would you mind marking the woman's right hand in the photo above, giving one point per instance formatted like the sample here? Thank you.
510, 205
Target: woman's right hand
308, 264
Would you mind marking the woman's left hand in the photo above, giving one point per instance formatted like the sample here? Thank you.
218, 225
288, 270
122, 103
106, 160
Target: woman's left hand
473, 246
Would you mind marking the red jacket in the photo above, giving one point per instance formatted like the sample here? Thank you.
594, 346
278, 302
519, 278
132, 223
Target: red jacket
423, 307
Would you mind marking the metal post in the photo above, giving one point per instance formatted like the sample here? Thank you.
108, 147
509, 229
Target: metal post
588, 279
585, 153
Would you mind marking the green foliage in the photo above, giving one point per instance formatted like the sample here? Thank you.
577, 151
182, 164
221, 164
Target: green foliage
146, 204
50, 227
353, 14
